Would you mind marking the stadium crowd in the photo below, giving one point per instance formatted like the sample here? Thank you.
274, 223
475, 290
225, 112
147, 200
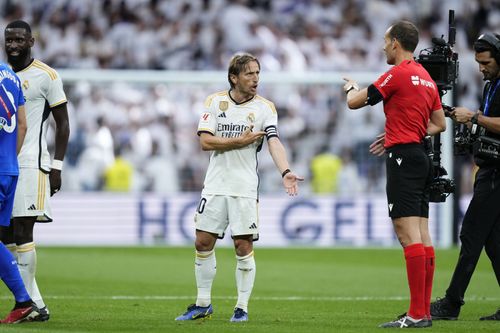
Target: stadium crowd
148, 132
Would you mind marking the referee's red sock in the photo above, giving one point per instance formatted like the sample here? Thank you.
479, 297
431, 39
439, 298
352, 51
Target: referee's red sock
430, 263
415, 269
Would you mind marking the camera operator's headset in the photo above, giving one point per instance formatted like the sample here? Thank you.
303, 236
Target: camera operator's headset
492, 40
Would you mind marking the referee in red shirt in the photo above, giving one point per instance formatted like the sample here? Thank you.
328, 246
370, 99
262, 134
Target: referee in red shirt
413, 110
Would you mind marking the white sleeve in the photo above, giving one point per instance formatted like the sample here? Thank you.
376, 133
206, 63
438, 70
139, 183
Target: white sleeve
208, 119
271, 123
55, 92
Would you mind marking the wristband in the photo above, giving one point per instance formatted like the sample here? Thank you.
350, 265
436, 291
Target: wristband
57, 164
283, 174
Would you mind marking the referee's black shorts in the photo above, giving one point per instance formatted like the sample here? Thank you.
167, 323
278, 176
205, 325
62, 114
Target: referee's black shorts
408, 176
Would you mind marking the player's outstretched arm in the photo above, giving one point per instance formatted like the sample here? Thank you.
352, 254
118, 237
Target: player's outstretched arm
212, 142
60, 114
278, 153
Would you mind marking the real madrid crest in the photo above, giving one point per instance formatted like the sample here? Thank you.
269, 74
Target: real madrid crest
26, 85
223, 105
251, 117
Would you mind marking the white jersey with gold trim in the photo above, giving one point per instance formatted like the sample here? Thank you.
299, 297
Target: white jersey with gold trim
43, 90
234, 172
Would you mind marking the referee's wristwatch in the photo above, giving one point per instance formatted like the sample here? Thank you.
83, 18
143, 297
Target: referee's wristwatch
351, 87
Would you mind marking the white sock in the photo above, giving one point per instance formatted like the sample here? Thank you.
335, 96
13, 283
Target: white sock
26, 261
205, 269
245, 277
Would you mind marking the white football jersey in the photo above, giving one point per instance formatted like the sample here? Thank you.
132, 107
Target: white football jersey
43, 90
234, 172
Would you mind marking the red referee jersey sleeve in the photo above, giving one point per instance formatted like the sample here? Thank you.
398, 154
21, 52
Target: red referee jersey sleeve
437, 101
387, 83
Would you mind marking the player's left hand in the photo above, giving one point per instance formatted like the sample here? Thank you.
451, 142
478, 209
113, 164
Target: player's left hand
377, 146
291, 183
55, 181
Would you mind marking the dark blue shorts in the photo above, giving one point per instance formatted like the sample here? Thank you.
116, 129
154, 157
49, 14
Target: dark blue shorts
7, 191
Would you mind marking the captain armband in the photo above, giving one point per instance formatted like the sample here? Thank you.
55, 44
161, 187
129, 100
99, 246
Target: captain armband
271, 131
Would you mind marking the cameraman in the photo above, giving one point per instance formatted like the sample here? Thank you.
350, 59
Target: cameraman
413, 110
481, 223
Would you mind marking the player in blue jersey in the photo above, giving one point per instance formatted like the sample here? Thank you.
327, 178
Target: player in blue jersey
12, 133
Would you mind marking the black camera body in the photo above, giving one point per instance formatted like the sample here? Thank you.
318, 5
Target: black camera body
474, 141
442, 65
440, 189
464, 138
486, 148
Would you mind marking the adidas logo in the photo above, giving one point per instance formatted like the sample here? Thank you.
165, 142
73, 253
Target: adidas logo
222, 115
253, 226
32, 207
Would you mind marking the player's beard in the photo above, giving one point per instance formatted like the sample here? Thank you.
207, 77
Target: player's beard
18, 61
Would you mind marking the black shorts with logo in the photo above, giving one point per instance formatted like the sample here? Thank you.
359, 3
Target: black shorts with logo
408, 176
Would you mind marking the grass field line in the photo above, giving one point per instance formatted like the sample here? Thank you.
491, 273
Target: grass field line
256, 298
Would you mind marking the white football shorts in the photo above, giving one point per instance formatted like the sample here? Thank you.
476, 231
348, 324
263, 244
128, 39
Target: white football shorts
216, 212
32, 195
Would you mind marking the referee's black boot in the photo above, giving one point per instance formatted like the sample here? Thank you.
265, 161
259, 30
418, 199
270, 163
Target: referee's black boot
445, 309
495, 316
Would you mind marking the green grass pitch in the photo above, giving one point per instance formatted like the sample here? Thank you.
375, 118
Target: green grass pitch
142, 289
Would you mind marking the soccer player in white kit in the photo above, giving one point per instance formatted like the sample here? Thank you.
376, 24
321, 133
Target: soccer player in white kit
233, 126
39, 178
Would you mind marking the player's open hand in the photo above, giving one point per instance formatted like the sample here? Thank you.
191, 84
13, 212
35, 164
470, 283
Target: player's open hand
249, 137
377, 146
291, 183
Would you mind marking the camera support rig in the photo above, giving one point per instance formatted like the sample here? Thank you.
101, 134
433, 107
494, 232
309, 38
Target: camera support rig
442, 65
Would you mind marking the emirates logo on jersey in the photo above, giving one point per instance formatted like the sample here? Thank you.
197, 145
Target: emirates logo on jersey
415, 80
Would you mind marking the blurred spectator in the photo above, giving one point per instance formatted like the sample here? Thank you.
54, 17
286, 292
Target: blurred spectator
160, 172
325, 168
118, 176
158, 121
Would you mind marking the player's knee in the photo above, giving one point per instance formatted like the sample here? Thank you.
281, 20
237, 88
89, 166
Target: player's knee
243, 247
203, 244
